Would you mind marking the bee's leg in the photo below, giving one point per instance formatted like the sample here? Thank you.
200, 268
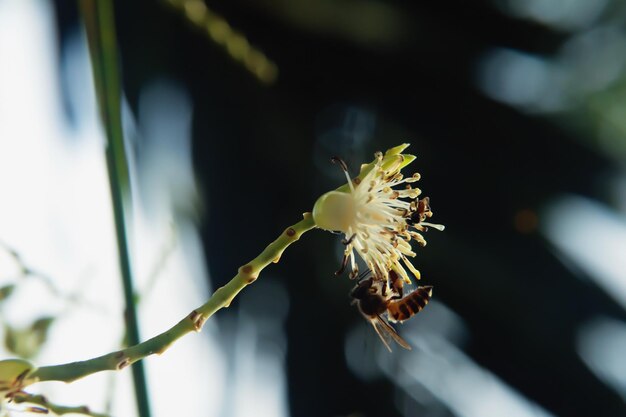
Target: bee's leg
399, 295
398, 292
396, 285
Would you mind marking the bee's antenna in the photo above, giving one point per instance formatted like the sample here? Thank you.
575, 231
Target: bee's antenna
363, 275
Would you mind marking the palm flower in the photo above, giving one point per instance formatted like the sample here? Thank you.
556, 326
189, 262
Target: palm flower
378, 217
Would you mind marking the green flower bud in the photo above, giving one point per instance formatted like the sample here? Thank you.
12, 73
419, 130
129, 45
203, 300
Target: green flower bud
14, 374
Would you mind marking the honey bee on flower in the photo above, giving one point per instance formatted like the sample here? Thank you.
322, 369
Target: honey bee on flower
379, 212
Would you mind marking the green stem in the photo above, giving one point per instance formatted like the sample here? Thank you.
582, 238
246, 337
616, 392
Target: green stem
99, 22
46, 406
194, 321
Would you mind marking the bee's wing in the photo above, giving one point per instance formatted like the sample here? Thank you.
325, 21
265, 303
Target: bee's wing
382, 334
384, 331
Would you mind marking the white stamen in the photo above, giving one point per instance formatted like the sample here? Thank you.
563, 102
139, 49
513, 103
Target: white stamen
349, 181
439, 227
374, 213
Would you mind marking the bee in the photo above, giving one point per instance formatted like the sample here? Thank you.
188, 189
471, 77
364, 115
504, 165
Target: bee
373, 299
419, 212
396, 284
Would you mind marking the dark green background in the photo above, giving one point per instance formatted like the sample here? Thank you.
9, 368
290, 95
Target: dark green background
260, 155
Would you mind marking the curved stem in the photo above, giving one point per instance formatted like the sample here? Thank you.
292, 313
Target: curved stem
194, 321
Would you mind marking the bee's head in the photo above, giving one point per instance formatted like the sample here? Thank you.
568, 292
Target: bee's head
365, 288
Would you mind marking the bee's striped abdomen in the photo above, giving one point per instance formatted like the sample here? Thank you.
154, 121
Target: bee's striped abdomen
413, 303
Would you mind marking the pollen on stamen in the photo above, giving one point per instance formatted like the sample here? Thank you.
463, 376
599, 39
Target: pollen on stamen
415, 235
378, 216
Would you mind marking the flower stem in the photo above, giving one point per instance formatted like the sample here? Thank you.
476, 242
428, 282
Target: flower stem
46, 406
194, 321
99, 22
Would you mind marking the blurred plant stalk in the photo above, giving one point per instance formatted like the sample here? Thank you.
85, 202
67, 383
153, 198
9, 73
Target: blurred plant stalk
98, 18
232, 41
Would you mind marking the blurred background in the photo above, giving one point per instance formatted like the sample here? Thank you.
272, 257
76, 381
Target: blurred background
516, 110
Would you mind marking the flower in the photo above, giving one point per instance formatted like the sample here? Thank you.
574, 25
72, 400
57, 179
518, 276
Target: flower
378, 220
14, 375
